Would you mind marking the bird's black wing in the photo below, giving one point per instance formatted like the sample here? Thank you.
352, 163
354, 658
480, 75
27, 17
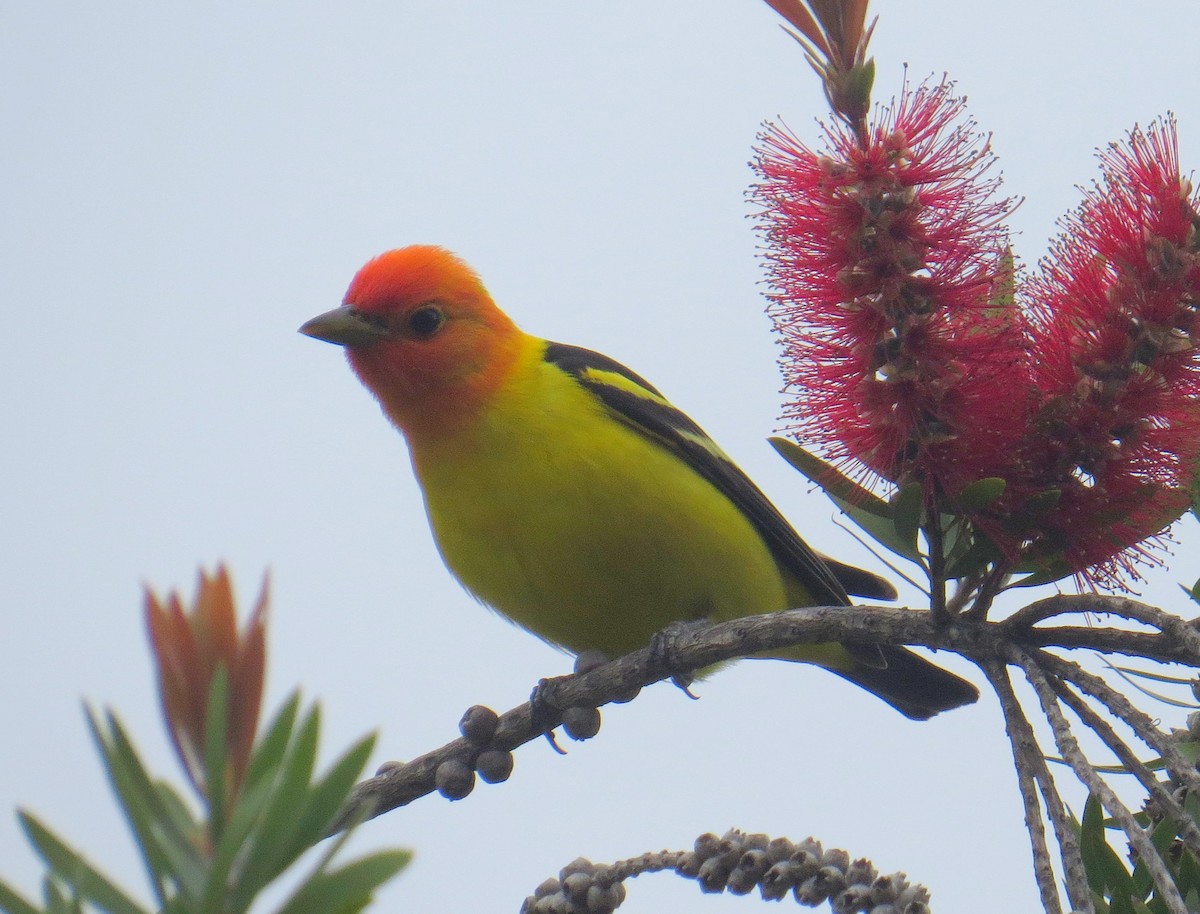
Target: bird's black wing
634, 401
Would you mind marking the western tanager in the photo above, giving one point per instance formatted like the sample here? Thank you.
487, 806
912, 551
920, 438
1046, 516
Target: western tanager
568, 494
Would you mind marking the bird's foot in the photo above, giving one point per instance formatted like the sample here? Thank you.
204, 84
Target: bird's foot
664, 653
546, 713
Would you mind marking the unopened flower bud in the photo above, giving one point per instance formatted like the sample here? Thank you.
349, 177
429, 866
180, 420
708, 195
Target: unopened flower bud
780, 849
810, 892
707, 845
576, 886
581, 723
478, 724
838, 859
590, 660
454, 779
861, 872
578, 865
855, 898
780, 879
605, 900
713, 875
494, 765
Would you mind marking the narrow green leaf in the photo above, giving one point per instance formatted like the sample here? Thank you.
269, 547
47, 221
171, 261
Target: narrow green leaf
831, 480
1188, 876
270, 748
1106, 872
977, 556
981, 493
75, 872
1162, 836
1157, 677
177, 816
235, 844
216, 752
349, 888
880, 529
908, 506
269, 852
867, 510
12, 902
328, 795
134, 792
1193, 593
1056, 570
55, 897
168, 852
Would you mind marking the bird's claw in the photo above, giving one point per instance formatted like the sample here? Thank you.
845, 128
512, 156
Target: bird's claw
664, 653
544, 712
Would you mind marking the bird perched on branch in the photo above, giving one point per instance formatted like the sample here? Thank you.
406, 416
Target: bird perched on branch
565, 492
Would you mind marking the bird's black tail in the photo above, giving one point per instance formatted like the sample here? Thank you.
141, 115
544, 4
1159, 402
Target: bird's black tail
908, 682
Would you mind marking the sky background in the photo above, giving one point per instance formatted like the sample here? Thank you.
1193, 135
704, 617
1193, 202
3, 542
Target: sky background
184, 184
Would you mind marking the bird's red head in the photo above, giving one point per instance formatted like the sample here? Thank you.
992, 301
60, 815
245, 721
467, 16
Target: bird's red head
424, 336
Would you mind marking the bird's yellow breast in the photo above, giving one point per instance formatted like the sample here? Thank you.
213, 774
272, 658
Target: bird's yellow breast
580, 528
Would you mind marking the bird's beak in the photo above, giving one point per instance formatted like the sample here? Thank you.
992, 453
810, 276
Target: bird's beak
345, 327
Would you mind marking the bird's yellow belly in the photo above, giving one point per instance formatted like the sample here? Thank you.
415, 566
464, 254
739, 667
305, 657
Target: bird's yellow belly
591, 536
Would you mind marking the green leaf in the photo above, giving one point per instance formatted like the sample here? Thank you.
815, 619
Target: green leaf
882, 530
262, 780
1157, 677
329, 794
269, 848
1187, 872
1161, 838
831, 480
11, 902
907, 508
271, 747
235, 845
1055, 570
978, 555
56, 899
165, 833
349, 888
216, 751
135, 794
69, 866
981, 493
1105, 870
1193, 593
869, 511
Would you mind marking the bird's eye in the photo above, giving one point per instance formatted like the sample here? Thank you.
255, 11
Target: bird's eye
426, 321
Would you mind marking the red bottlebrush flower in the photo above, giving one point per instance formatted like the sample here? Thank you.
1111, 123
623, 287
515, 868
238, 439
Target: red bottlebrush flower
1115, 305
892, 290
189, 647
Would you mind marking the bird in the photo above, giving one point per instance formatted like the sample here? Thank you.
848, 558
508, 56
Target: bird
566, 493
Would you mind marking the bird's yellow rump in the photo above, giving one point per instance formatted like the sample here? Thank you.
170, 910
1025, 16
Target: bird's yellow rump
565, 492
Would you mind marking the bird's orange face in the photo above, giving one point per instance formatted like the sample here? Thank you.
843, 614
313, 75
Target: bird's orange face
424, 336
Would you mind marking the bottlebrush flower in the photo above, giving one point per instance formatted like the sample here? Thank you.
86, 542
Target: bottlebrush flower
1115, 305
189, 647
892, 289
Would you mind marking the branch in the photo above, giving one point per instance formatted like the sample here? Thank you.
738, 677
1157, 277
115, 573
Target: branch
1123, 709
738, 863
694, 648
1068, 747
1189, 833
1031, 765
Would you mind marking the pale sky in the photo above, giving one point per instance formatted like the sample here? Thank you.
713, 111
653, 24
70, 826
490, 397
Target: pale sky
187, 183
